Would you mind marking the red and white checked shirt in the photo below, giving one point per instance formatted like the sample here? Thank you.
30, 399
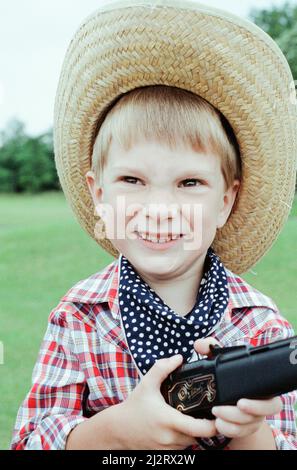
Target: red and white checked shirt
84, 364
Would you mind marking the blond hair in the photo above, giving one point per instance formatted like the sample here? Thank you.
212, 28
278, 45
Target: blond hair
170, 116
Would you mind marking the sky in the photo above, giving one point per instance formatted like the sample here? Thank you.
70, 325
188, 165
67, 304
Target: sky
34, 36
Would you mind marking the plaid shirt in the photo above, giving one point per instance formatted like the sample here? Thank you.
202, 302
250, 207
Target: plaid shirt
84, 364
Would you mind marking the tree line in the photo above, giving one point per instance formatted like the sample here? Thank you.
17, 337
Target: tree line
27, 163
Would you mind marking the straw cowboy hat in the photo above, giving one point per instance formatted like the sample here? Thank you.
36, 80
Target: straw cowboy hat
228, 61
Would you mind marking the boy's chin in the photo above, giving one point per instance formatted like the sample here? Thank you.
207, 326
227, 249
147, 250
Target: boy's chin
158, 264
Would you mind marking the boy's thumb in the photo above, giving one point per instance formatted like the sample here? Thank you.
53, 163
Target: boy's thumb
162, 368
201, 345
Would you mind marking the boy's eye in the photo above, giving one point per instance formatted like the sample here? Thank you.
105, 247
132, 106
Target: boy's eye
133, 178
191, 180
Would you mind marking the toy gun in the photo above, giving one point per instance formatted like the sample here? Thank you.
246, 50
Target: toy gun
231, 373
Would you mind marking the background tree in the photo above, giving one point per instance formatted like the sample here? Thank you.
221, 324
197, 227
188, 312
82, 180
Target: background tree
26, 163
13, 139
281, 24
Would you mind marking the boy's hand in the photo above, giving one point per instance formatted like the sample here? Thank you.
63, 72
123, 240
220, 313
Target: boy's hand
248, 416
146, 421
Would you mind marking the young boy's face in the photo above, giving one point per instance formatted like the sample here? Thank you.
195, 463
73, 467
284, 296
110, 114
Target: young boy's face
155, 190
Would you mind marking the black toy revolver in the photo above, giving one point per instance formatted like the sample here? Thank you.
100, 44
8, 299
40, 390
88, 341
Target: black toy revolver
231, 373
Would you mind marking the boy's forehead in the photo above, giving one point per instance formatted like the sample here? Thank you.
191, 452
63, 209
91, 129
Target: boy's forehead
142, 155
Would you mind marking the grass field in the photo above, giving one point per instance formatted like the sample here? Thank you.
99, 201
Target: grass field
43, 252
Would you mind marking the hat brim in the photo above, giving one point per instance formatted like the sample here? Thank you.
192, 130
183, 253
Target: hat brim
228, 61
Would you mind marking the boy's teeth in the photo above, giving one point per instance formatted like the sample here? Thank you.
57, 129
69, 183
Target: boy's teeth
161, 240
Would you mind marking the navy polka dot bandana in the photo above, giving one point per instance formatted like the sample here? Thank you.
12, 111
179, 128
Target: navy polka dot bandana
153, 330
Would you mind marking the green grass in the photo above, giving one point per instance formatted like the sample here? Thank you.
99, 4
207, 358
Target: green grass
276, 273
44, 252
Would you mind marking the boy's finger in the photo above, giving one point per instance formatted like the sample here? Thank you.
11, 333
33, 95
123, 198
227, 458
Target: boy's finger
193, 427
228, 429
161, 369
233, 414
201, 346
260, 407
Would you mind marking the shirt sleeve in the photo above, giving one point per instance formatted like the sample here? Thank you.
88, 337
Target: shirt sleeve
283, 424
54, 404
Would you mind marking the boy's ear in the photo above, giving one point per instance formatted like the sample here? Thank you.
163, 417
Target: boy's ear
95, 190
227, 203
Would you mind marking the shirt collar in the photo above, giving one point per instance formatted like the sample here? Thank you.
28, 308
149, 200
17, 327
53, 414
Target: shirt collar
242, 294
98, 288
103, 287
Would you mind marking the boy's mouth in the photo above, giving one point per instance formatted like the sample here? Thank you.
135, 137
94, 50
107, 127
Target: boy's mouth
158, 241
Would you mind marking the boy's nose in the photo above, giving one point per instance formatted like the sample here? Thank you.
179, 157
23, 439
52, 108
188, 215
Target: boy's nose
158, 218
160, 211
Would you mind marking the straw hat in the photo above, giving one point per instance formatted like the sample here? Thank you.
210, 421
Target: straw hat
228, 61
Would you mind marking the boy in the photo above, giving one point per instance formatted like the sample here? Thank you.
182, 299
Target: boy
132, 130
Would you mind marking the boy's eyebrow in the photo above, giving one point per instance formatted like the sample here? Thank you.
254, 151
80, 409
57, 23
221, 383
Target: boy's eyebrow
125, 168
196, 171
